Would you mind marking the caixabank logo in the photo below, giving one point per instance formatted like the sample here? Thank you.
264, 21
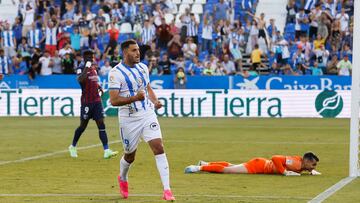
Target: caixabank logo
329, 104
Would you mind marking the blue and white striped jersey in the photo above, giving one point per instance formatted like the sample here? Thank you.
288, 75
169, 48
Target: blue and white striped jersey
130, 80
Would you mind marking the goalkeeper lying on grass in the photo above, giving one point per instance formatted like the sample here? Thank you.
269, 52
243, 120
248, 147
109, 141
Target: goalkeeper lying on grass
286, 165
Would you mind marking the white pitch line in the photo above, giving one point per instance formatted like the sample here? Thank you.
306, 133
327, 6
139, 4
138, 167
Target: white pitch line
51, 154
156, 195
331, 190
249, 142
170, 141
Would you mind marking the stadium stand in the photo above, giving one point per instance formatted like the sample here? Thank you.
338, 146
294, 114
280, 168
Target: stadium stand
208, 30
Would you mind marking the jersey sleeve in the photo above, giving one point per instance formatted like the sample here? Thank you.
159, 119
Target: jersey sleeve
114, 80
279, 163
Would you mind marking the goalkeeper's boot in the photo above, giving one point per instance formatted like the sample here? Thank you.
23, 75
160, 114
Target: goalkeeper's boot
192, 169
108, 153
202, 163
168, 196
124, 189
73, 151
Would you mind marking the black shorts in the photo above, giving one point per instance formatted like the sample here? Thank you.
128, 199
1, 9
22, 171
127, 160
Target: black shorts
92, 110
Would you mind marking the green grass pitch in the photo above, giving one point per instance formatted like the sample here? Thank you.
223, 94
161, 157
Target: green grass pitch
90, 178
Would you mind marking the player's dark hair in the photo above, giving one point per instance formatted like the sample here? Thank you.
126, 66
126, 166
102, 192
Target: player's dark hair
127, 43
311, 156
88, 55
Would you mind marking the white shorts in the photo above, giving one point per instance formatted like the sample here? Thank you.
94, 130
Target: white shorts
132, 129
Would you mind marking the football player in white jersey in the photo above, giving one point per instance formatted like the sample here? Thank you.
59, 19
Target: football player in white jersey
130, 89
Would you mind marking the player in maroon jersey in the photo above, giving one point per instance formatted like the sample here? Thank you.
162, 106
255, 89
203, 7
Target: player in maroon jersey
91, 106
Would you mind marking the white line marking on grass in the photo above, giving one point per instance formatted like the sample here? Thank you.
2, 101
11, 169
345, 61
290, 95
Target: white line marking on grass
250, 142
172, 141
52, 154
157, 195
331, 190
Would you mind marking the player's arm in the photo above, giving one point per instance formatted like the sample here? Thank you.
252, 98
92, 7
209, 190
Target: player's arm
280, 165
117, 100
82, 73
153, 97
114, 92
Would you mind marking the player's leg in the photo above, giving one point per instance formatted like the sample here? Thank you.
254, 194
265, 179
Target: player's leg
222, 167
152, 135
162, 164
77, 134
130, 133
125, 162
97, 113
108, 153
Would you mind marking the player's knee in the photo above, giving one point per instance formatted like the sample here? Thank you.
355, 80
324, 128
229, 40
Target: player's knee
158, 150
81, 128
101, 126
129, 158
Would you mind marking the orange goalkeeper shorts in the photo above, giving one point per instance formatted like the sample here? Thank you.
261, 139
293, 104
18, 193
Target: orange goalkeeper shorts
256, 166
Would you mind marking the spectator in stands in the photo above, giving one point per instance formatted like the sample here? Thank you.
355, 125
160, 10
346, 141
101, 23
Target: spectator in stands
154, 68
256, 57
66, 50
165, 64
322, 57
220, 11
5, 63
8, 41
68, 64
189, 48
163, 34
331, 68
104, 70
34, 36
179, 62
292, 9
344, 66
335, 37
314, 18
228, 65
272, 29
152, 52
57, 69
114, 35
315, 69
180, 79
147, 34
75, 39
192, 28
261, 26
344, 21
302, 24
50, 37
18, 68
46, 63
28, 19
320, 41
17, 30
195, 67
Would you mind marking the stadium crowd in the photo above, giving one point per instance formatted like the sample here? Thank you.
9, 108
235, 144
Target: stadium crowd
213, 37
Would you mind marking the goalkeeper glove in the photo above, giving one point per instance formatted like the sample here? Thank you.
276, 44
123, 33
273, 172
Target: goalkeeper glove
315, 173
291, 173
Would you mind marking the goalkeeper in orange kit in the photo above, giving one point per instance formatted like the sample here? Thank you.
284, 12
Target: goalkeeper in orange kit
286, 165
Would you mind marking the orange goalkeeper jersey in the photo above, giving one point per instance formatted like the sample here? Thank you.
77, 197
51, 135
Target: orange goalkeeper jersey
277, 165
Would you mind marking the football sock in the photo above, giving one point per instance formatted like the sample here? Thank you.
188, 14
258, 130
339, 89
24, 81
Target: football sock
77, 135
103, 138
163, 168
222, 163
124, 169
213, 168
102, 135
